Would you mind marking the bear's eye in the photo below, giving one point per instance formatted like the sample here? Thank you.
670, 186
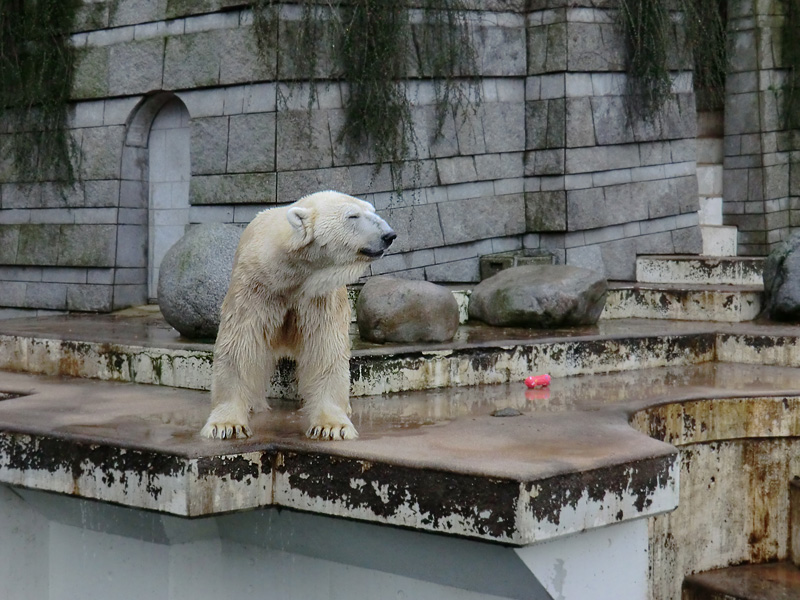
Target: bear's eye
353, 216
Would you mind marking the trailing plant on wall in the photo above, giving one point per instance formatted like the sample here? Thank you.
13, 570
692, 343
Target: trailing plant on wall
37, 64
377, 47
659, 41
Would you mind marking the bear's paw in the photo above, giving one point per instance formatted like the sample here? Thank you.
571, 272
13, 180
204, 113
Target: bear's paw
324, 429
225, 431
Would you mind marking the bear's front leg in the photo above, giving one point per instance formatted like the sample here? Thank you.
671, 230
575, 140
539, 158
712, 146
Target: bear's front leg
323, 367
241, 370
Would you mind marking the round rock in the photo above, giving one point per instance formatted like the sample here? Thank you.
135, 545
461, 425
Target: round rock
402, 310
194, 277
782, 281
542, 296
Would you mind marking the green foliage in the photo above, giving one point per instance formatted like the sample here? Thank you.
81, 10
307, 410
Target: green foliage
37, 63
376, 47
652, 36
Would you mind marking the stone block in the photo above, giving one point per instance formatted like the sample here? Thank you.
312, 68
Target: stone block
100, 193
655, 243
38, 244
129, 295
244, 188
742, 51
613, 124
595, 47
303, 141
606, 158
193, 60
619, 258
546, 211
251, 144
135, 67
556, 123
481, 218
776, 181
209, 145
742, 114
57, 195
128, 12
586, 209
547, 48
86, 245
52, 296
687, 240
536, 124
131, 246
90, 298
504, 127
470, 134
91, 73
544, 162
12, 293
91, 16
460, 271
459, 169
417, 227
133, 194
499, 166
501, 51
291, 63
240, 61
22, 195
579, 123
293, 185
101, 150
9, 241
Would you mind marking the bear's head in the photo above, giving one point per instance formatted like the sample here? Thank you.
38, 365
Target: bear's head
343, 228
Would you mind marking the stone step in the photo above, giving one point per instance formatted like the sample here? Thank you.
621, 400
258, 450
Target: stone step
674, 268
719, 240
686, 302
775, 581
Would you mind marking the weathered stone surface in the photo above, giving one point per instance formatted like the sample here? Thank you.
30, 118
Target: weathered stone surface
242, 188
390, 309
545, 296
782, 281
194, 277
136, 67
251, 145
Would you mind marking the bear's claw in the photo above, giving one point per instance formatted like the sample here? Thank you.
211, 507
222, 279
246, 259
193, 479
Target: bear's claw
225, 431
332, 432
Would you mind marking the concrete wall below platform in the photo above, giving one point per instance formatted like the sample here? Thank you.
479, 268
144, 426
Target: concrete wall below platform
58, 548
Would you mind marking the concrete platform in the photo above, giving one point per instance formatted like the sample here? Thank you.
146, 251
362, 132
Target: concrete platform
707, 270
777, 581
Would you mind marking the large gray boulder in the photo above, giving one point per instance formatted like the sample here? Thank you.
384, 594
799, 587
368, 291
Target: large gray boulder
194, 277
542, 296
782, 281
389, 309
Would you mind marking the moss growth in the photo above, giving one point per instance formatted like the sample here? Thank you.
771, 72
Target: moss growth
377, 48
37, 64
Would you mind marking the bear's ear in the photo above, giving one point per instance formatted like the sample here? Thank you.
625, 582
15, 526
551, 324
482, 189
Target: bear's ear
300, 220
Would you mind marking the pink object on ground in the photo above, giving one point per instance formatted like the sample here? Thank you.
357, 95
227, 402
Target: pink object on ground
535, 381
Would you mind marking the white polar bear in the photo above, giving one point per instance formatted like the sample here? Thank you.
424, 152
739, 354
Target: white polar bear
287, 298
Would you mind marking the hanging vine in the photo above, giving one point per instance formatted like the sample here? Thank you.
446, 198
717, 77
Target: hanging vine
378, 47
37, 63
651, 32
790, 51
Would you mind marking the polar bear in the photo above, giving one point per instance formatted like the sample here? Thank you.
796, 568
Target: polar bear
287, 298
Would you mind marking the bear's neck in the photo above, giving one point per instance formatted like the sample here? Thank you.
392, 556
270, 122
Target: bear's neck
323, 281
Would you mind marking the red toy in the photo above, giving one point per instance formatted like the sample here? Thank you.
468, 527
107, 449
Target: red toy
535, 381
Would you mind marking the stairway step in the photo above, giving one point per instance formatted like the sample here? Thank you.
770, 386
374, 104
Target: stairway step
686, 302
710, 270
719, 240
774, 581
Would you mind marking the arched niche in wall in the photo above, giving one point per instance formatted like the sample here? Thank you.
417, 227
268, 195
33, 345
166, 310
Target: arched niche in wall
155, 186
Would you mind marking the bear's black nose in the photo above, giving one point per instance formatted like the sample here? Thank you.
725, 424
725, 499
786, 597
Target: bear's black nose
388, 238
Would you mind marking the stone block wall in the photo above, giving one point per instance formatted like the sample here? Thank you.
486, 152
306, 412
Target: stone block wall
757, 150
550, 158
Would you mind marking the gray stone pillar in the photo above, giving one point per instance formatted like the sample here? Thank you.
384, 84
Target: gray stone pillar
756, 176
603, 185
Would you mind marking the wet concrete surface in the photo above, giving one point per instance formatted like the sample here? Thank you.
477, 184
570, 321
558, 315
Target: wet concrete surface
777, 581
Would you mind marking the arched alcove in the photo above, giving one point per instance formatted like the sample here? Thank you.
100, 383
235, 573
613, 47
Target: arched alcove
155, 180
